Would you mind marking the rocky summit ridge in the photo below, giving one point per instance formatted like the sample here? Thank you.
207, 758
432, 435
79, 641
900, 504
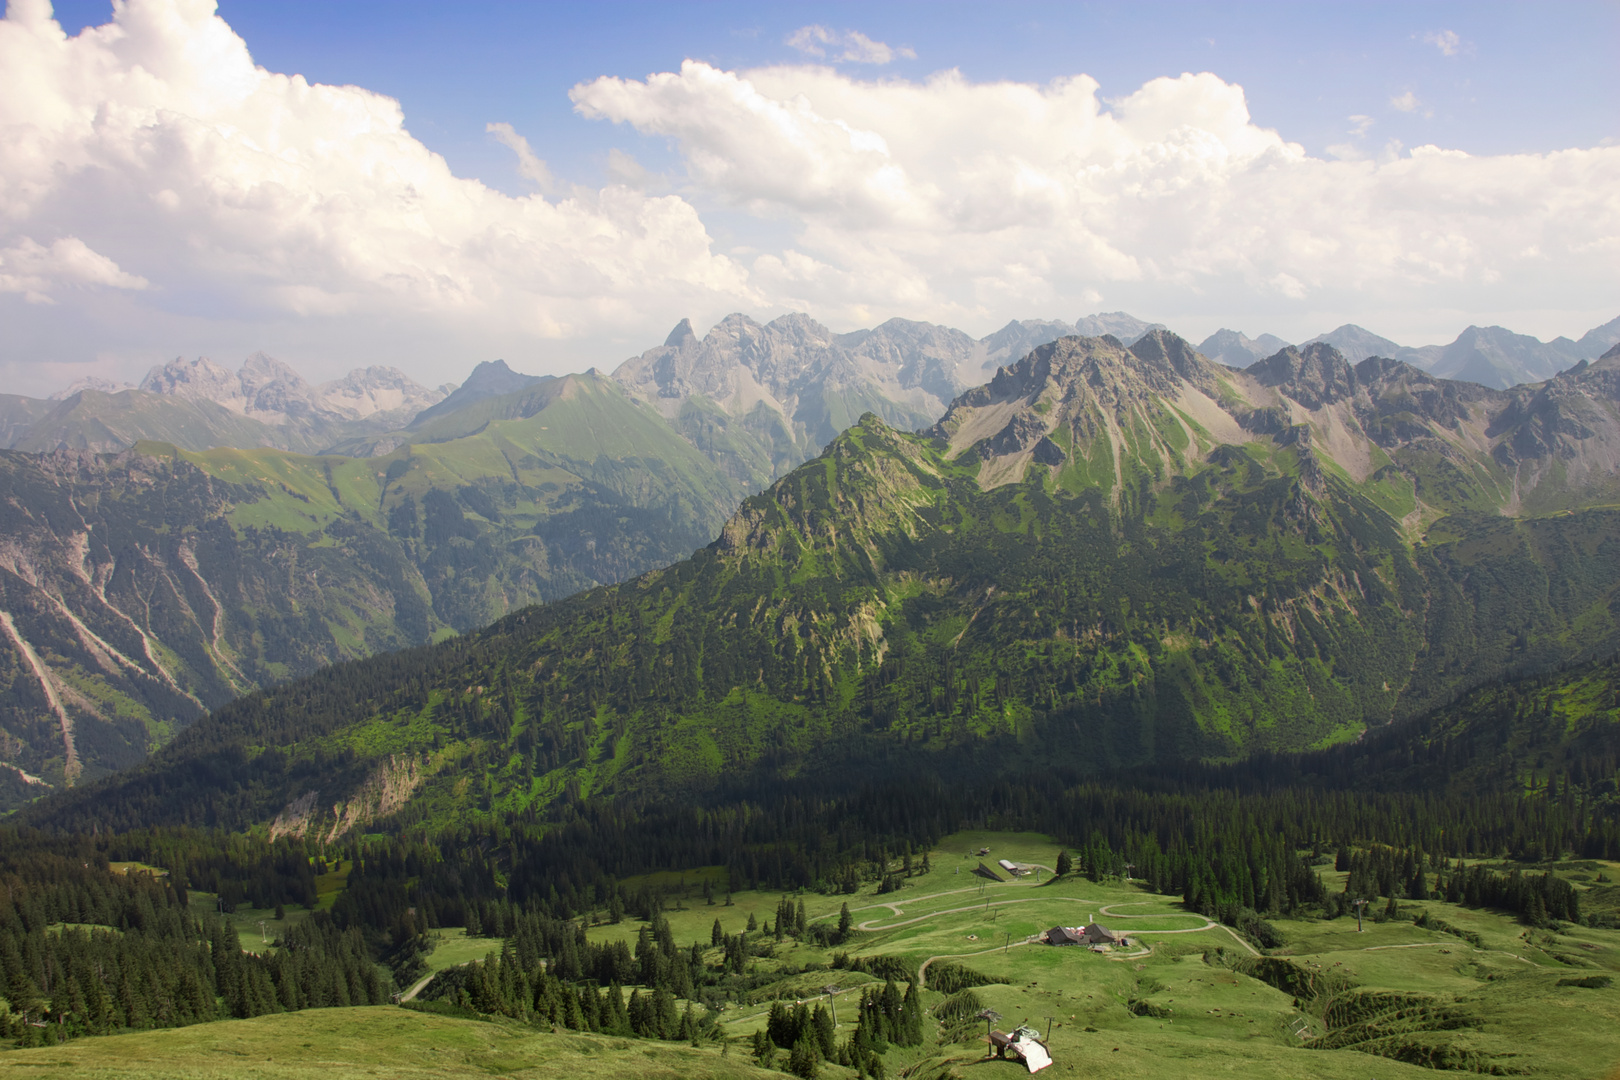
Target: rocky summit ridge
1096, 413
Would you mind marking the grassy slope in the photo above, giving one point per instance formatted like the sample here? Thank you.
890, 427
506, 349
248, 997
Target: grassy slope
338, 1044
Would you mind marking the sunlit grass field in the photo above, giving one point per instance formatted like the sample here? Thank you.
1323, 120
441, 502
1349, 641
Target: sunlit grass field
1169, 1004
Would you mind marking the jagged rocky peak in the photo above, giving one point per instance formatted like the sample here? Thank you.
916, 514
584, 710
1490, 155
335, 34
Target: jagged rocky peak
271, 387
1314, 375
679, 336
1060, 399
197, 379
1573, 417
264, 389
1400, 391
741, 362
1159, 362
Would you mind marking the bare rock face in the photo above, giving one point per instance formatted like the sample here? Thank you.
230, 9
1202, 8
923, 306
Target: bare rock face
199, 379
269, 391
1316, 375
778, 392
379, 392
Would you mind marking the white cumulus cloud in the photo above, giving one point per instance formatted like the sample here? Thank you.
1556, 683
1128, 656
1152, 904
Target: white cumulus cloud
930, 197
850, 46
1405, 102
250, 195
30, 268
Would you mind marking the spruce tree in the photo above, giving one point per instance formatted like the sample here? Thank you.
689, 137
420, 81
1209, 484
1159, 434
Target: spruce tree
803, 1061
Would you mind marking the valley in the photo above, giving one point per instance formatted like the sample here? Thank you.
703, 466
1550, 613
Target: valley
1425, 984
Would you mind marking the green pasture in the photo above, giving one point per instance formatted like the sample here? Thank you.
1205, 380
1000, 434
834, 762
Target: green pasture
380, 1041
1199, 1015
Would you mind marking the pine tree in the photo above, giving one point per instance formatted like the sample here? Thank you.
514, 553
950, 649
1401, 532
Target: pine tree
1064, 863
803, 1061
764, 1050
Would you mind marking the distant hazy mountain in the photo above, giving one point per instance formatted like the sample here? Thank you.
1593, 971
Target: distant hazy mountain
1598, 340
1127, 328
490, 379
761, 399
1490, 356
105, 386
197, 404
379, 394
1493, 356
18, 414
1356, 344
1236, 349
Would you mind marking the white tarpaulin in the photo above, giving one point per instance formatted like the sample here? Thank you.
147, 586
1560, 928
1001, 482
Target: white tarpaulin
1035, 1055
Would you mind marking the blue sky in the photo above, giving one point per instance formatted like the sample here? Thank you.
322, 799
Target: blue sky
1519, 235
1524, 78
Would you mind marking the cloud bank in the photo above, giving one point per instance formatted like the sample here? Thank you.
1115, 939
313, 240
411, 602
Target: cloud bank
155, 180
958, 198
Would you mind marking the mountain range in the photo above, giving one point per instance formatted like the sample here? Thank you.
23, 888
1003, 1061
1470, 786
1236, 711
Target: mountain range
199, 405
1105, 556
759, 399
144, 587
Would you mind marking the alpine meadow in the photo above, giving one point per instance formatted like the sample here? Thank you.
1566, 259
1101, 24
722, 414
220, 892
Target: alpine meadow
465, 685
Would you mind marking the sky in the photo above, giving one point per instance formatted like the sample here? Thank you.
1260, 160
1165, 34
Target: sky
427, 185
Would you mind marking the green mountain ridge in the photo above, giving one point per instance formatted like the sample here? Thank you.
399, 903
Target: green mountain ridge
141, 589
1106, 557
